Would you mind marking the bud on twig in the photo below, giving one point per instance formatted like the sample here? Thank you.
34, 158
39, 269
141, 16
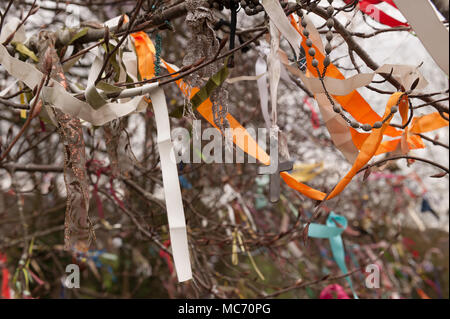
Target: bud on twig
48, 62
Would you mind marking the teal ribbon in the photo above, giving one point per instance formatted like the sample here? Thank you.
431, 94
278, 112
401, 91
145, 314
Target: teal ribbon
333, 233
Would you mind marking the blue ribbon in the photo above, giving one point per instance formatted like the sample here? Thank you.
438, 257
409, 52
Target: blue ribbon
183, 180
333, 233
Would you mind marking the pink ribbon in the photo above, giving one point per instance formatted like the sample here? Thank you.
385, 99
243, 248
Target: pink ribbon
330, 291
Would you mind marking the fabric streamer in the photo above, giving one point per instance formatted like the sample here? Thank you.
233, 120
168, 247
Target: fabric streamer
166, 256
336, 125
369, 8
429, 29
172, 192
58, 97
371, 144
335, 226
306, 172
314, 117
246, 142
330, 290
421, 124
405, 74
426, 207
428, 123
422, 294
347, 139
93, 96
261, 77
229, 195
353, 103
245, 78
5, 293
278, 17
274, 69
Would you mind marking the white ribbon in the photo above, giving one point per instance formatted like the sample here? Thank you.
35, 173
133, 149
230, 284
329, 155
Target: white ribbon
172, 192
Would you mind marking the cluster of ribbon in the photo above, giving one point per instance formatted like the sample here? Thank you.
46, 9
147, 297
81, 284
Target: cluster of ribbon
98, 111
366, 145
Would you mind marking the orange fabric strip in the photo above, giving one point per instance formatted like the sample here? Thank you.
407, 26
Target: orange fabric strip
145, 52
370, 145
427, 123
422, 124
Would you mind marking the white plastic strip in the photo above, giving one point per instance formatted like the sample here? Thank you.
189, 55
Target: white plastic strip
172, 192
10, 27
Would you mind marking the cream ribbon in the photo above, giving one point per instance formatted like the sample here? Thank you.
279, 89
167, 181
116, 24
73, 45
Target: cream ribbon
172, 192
430, 30
278, 17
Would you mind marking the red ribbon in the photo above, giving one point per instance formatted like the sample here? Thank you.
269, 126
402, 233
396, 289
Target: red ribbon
314, 117
369, 8
166, 256
97, 165
99, 170
5, 277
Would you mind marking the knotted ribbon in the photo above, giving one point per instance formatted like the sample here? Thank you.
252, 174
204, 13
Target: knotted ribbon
332, 230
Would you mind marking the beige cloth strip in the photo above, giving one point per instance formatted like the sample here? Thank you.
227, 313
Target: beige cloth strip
278, 17
430, 30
